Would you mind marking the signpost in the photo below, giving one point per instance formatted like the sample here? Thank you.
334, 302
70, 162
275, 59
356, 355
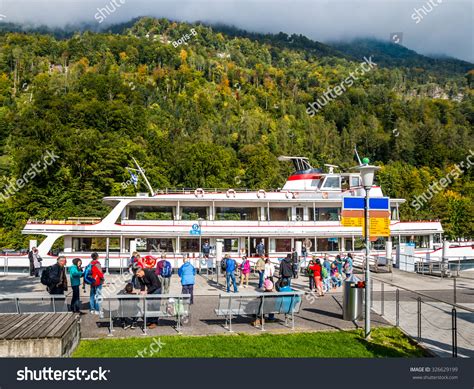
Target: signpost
379, 215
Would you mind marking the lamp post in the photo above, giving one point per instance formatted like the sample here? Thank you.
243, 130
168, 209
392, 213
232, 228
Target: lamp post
200, 220
367, 173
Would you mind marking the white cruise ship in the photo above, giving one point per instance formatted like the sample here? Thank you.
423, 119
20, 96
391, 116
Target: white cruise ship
306, 209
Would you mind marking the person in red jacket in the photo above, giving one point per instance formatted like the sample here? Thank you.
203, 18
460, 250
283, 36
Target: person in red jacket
316, 268
96, 288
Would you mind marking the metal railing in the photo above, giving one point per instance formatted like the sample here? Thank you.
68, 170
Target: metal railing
444, 327
21, 303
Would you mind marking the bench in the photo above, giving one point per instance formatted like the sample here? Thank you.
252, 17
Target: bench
259, 304
147, 306
32, 303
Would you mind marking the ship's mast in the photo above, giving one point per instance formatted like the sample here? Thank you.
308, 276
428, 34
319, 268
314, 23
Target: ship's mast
142, 172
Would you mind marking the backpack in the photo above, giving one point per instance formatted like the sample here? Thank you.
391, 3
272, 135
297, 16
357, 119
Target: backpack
166, 271
45, 276
223, 264
324, 272
88, 279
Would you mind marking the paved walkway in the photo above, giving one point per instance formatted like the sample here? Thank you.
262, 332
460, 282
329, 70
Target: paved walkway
436, 316
322, 314
316, 314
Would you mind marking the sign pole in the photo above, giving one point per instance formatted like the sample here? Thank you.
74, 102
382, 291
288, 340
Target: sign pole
367, 267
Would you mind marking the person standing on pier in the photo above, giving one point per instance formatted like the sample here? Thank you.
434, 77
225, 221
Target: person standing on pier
56, 274
348, 265
97, 280
230, 266
36, 262
75, 274
164, 271
286, 269
187, 273
260, 269
244, 272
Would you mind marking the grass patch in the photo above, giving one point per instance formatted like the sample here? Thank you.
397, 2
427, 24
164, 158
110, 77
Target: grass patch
386, 342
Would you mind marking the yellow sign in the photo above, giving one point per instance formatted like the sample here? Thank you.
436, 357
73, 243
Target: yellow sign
352, 221
379, 226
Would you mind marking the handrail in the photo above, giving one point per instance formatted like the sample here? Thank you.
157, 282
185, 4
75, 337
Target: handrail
425, 295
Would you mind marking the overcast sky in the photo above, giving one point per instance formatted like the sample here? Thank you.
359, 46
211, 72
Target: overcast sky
447, 27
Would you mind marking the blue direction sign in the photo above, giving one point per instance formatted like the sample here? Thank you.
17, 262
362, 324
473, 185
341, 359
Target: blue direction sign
357, 203
195, 230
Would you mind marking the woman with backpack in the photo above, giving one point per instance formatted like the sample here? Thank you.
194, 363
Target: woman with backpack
75, 275
244, 272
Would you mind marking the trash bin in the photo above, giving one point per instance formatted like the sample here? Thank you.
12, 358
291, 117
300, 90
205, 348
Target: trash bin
353, 299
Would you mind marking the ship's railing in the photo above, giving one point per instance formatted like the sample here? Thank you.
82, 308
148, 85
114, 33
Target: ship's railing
68, 221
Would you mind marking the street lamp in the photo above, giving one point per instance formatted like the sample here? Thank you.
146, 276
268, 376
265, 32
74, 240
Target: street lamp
367, 173
200, 220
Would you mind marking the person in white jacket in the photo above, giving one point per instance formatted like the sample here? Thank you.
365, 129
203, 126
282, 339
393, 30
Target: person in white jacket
269, 270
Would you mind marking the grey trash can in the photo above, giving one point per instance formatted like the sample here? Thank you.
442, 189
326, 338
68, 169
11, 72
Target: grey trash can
353, 299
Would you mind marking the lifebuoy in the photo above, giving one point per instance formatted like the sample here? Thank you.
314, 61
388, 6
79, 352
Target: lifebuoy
199, 192
288, 194
230, 192
325, 195
261, 193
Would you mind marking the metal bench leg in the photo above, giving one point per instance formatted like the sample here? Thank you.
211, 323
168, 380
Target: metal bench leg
144, 317
230, 323
111, 322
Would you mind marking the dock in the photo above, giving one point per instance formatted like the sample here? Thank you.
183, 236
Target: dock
38, 335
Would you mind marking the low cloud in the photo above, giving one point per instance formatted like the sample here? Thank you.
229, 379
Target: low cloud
446, 30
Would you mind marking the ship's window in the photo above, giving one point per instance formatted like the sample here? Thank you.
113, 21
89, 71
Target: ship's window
348, 244
194, 213
283, 245
328, 244
280, 214
325, 214
299, 214
332, 183
189, 245
355, 181
422, 241
315, 183
95, 244
166, 245
345, 183
151, 213
231, 245
394, 213
379, 244
223, 213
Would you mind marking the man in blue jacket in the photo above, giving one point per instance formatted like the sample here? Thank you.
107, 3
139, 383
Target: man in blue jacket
187, 274
230, 268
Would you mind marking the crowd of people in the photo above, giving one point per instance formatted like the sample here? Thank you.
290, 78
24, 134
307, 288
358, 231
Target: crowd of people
154, 277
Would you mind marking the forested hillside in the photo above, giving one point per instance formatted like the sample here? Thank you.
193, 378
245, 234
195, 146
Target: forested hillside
216, 110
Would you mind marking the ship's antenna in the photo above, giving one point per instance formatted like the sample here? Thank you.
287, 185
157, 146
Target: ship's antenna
142, 172
357, 155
